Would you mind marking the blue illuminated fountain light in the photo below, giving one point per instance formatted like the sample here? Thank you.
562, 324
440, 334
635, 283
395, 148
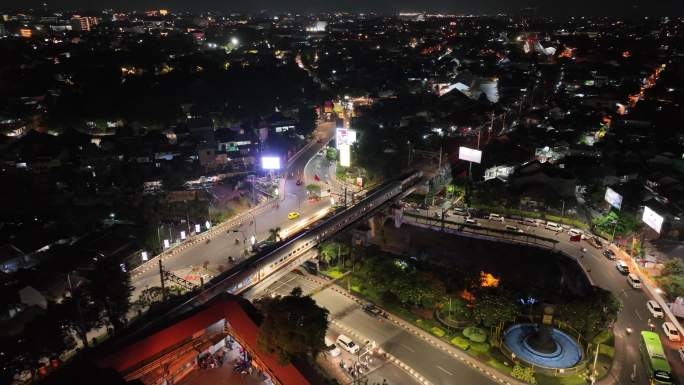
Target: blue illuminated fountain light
566, 354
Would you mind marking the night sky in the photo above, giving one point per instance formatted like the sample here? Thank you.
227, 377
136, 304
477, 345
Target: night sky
553, 7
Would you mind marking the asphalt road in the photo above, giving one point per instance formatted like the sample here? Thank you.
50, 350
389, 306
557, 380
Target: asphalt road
435, 365
603, 273
214, 255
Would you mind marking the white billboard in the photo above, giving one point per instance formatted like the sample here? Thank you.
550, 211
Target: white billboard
344, 136
270, 163
469, 154
652, 219
613, 198
345, 155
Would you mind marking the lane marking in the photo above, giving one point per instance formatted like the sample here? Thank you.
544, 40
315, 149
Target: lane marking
444, 370
637, 314
408, 348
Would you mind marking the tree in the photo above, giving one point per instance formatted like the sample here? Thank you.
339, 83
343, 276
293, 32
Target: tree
274, 234
494, 307
673, 266
150, 296
523, 374
45, 335
293, 326
331, 250
110, 288
313, 189
592, 313
79, 314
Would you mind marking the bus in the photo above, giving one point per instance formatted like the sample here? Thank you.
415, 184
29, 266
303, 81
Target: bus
654, 360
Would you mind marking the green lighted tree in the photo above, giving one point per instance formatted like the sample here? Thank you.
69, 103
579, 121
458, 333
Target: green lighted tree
523, 374
494, 307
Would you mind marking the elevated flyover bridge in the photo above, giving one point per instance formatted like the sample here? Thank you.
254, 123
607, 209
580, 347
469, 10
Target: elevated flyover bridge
266, 267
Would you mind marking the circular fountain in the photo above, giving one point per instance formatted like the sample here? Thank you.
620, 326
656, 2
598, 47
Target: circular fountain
542, 344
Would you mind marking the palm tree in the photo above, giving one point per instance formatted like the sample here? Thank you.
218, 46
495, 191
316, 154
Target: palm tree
274, 234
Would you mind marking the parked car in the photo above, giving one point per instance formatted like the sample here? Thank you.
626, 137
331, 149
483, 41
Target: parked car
513, 228
331, 348
529, 222
576, 232
471, 221
622, 267
496, 217
553, 226
347, 344
596, 242
609, 254
655, 309
459, 211
634, 281
671, 331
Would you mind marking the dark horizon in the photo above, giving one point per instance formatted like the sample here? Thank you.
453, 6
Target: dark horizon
632, 8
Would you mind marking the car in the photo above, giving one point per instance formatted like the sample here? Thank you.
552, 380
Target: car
553, 226
347, 344
496, 217
293, 215
299, 182
680, 351
671, 331
513, 228
634, 281
529, 222
596, 242
609, 254
622, 267
459, 211
318, 178
372, 310
655, 309
575, 232
331, 348
471, 221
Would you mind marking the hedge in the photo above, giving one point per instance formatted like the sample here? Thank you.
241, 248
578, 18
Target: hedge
460, 342
475, 334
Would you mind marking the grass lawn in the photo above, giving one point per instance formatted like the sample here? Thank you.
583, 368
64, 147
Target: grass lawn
573, 380
334, 272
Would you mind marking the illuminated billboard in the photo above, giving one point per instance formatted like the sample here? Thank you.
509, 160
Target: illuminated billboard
613, 198
469, 154
270, 163
344, 137
652, 219
345, 155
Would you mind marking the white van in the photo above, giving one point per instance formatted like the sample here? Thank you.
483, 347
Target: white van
553, 226
634, 281
347, 344
496, 217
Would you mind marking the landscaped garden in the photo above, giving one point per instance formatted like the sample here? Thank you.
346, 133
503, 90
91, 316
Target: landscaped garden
470, 307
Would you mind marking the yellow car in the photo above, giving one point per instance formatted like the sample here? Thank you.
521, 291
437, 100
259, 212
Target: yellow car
293, 215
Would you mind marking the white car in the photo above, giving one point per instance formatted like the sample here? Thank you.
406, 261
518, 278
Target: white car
655, 309
622, 267
671, 331
471, 222
575, 232
331, 348
496, 217
634, 281
347, 344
